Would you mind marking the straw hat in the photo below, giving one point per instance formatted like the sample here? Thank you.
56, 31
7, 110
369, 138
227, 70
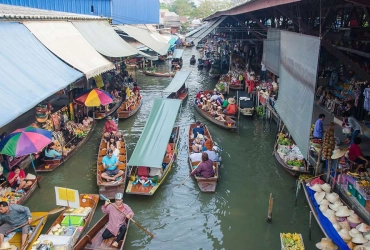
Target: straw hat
319, 196
231, 100
353, 232
338, 153
219, 107
343, 211
358, 239
323, 208
326, 187
326, 244
7, 246
362, 247
208, 100
335, 206
333, 219
337, 227
328, 213
324, 202
109, 117
345, 225
354, 218
332, 197
200, 136
316, 188
363, 228
343, 233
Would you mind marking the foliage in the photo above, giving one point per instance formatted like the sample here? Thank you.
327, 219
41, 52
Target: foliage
184, 27
208, 7
163, 5
182, 7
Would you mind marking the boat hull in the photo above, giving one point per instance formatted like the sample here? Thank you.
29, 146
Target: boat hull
138, 189
53, 164
206, 185
294, 173
215, 121
122, 114
159, 74
99, 115
109, 189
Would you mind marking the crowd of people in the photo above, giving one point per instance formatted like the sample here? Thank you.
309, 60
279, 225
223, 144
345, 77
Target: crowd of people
215, 104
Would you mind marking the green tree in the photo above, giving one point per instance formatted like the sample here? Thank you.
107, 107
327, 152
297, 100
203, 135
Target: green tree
208, 7
182, 7
163, 6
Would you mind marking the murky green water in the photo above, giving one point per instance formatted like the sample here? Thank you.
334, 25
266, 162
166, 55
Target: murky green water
183, 218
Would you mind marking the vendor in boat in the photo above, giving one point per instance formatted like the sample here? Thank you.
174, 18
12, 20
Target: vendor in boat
355, 155
110, 163
213, 154
205, 168
16, 179
86, 122
231, 108
110, 126
118, 214
13, 216
51, 153
198, 129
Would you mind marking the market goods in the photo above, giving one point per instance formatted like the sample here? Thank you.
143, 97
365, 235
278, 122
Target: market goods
329, 142
291, 241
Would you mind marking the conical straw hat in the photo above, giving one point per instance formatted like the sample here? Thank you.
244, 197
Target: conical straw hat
326, 187
343, 233
332, 197
353, 232
316, 188
335, 206
353, 218
324, 202
319, 196
326, 244
364, 228
343, 211
359, 239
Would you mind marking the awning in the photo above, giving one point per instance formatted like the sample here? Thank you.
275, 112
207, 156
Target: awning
189, 34
208, 30
104, 39
159, 37
178, 53
152, 144
29, 72
145, 38
177, 81
64, 40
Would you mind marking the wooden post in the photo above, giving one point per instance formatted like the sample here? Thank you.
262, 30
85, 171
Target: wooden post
318, 162
298, 182
269, 213
328, 173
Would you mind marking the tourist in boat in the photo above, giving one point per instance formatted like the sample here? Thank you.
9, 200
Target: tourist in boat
118, 213
198, 129
196, 157
110, 163
231, 108
355, 155
110, 126
113, 140
13, 216
219, 114
200, 94
318, 131
130, 79
213, 154
114, 150
16, 179
51, 153
214, 109
136, 89
86, 122
205, 168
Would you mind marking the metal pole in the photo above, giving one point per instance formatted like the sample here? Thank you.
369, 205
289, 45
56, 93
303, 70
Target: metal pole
310, 226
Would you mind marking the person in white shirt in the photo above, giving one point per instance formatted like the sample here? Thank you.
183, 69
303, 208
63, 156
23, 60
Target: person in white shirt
115, 150
195, 157
213, 155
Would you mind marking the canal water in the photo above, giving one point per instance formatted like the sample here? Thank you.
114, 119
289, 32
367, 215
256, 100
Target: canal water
235, 217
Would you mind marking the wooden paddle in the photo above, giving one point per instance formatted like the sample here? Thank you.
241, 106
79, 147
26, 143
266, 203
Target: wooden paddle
107, 200
189, 175
54, 211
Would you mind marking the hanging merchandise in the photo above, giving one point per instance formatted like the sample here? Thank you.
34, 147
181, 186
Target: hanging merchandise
71, 112
329, 142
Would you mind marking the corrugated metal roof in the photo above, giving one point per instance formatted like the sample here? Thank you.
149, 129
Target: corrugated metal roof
135, 12
13, 13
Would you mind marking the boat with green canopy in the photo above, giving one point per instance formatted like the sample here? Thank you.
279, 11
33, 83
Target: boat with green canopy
177, 57
156, 149
177, 87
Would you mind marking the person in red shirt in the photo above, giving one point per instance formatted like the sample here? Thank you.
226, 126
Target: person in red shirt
355, 155
110, 125
17, 180
136, 88
231, 108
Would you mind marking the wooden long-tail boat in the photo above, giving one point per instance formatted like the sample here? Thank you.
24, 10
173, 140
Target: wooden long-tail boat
99, 115
159, 74
289, 169
50, 165
229, 123
36, 227
93, 240
156, 149
245, 103
177, 87
123, 113
108, 188
86, 201
206, 185
21, 198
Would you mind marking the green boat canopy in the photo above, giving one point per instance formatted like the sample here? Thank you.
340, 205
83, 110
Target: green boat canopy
177, 54
177, 81
152, 144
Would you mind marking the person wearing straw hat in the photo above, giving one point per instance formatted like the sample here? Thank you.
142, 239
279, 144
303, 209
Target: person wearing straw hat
14, 216
116, 226
7, 246
231, 108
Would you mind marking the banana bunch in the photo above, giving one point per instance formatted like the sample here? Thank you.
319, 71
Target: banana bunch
292, 241
365, 183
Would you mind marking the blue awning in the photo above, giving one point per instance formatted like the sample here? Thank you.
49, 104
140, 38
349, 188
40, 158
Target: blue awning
29, 72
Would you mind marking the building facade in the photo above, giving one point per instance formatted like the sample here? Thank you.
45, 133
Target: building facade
120, 11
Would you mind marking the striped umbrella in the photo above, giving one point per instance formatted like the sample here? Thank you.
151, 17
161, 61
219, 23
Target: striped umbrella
94, 98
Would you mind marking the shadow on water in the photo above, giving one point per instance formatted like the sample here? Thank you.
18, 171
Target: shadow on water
183, 218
